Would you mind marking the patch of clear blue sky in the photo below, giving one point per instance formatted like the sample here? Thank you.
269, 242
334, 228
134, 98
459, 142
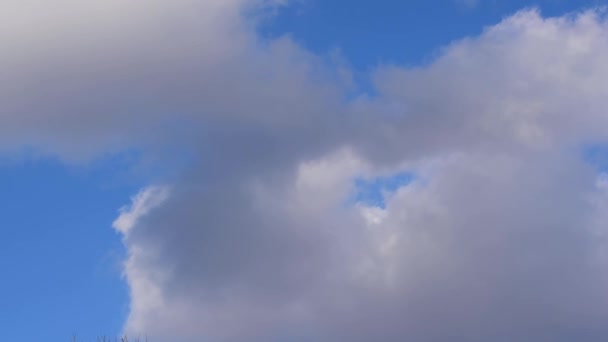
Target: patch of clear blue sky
373, 191
409, 33
597, 156
59, 254
59, 257
371, 33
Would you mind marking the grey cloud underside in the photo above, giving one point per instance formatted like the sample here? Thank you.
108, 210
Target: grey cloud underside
501, 237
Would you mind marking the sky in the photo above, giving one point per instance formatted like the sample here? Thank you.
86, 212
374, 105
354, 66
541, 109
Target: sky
304, 170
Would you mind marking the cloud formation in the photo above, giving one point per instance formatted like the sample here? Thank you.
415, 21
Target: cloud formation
499, 237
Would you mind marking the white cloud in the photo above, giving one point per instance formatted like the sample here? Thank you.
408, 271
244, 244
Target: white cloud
146, 200
500, 236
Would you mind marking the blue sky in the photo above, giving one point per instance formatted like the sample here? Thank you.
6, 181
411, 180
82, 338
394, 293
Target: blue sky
398, 32
60, 256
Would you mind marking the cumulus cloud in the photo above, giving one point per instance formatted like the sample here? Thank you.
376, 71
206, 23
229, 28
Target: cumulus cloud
499, 237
